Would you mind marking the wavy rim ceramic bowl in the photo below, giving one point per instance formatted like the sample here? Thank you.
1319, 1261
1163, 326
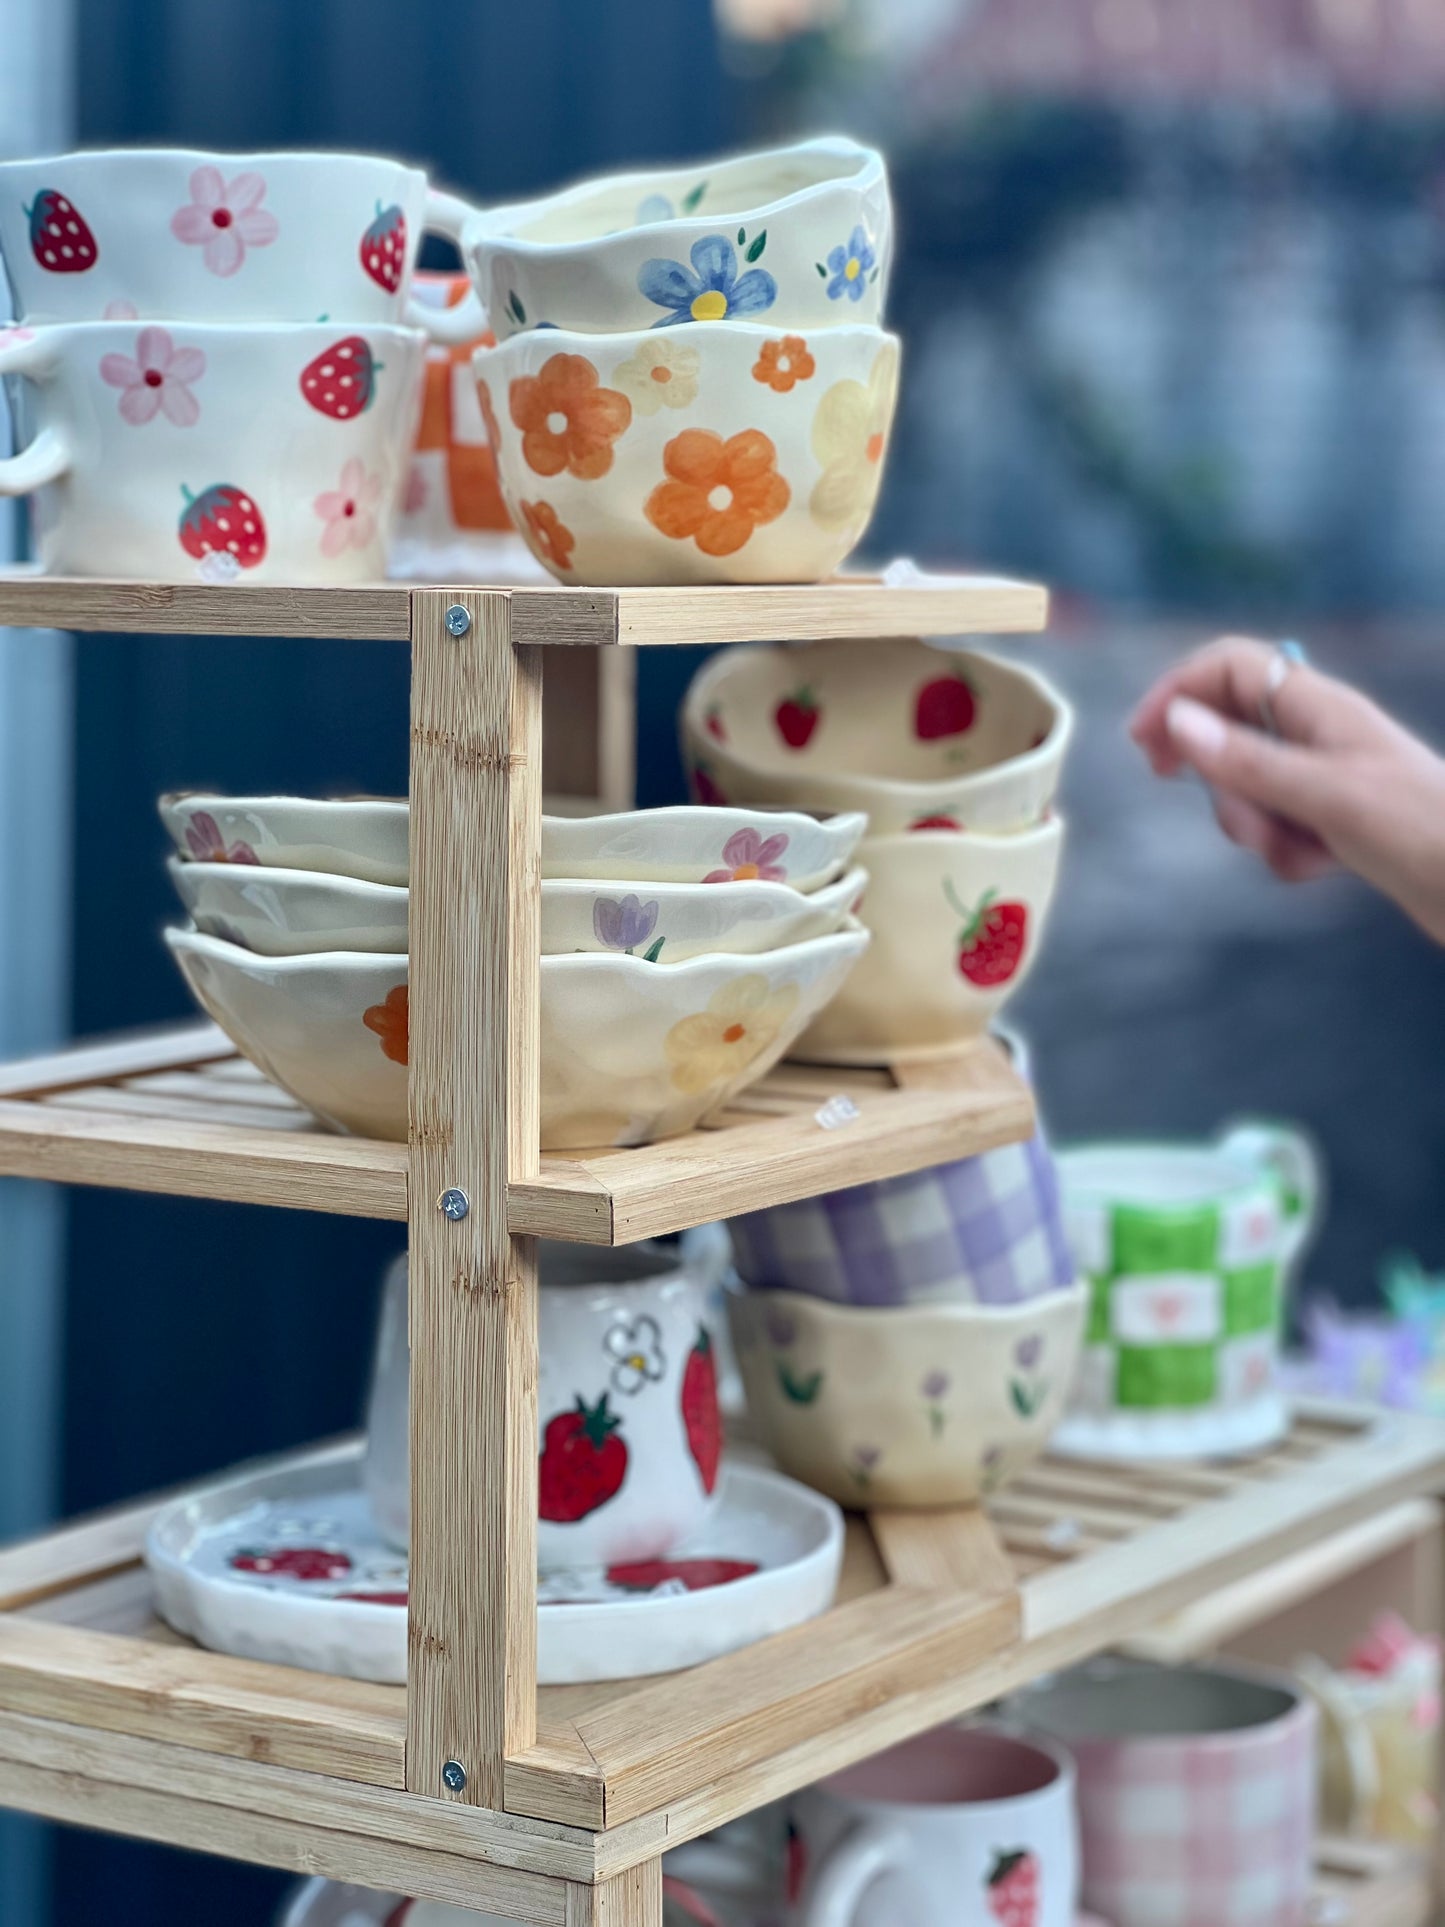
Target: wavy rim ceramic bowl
799, 235
718, 452
957, 922
910, 1405
918, 736
366, 837
288, 913
629, 1053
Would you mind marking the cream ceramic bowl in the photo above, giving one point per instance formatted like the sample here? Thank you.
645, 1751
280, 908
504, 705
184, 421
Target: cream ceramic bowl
718, 452
918, 737
798, 237
957, 921
912, 1405
367, 837
629, 1053
286, 913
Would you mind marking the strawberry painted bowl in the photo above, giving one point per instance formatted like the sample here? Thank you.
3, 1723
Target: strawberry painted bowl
367, 837
919, 737
957, 921
630, 1052
798, 236
285, 913
907, 1405
719, 452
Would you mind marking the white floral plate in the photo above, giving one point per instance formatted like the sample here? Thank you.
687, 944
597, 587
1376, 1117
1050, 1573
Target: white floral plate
285, 1564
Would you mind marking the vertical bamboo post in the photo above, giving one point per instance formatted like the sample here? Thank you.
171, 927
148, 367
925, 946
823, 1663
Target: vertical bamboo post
631, 1899
476, 720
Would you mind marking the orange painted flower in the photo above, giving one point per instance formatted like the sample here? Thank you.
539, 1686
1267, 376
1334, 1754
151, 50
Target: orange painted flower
718, 491
783, 364
489, 415
391, 1023
550, 536
567, 419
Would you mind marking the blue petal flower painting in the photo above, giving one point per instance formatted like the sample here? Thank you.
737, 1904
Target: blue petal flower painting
849, 268
711, 289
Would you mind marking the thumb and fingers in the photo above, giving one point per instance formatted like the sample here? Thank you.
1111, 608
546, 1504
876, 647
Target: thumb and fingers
1238, 760
1232, 678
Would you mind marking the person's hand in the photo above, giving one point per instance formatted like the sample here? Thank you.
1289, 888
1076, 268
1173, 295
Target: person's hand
1342, 783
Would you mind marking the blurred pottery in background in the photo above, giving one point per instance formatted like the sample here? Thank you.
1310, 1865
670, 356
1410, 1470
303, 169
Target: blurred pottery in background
921, 738
193, 451
793, 237
921, 1405
1188, 1251
957, 921
719, 452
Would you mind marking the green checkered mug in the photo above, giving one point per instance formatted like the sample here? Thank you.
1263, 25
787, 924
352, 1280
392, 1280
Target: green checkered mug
1188, 1251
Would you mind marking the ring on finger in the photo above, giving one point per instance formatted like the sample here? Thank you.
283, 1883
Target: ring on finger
1285, 657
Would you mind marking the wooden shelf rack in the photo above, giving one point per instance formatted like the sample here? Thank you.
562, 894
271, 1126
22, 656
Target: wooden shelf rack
568, 1797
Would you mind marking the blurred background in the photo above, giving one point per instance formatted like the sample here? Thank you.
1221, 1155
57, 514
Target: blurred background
1171, 283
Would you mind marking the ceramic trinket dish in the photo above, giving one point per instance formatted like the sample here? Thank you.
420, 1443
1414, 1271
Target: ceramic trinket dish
921, 738
719, 452
795, 237
154, 234
192, 451
912, 1405
286, 1565
630, 1052
1188, 1250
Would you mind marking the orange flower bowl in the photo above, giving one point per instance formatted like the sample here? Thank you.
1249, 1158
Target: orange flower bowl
717, 451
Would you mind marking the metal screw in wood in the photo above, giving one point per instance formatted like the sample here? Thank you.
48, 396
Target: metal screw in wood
454, 1776
454, 1204
457, 620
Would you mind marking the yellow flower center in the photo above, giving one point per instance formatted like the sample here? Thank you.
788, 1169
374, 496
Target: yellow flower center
734, 1034
745, 872
637, 1361
853, 269
710, 305
662, 374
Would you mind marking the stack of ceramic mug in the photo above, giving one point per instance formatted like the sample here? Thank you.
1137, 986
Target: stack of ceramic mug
683, 951
691, 383
184, 414
955, 756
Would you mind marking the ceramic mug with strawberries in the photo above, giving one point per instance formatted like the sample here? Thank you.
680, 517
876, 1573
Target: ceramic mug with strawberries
199, 452
166, 234
967, 1823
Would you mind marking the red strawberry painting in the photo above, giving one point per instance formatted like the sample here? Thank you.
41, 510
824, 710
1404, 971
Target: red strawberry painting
383, 248
991, 943
341, 381
582, 1464
701, 1417
714, 725
60, 237
938, 822
797, 717
944, 707
1014, 1897
293, 1562
696, 1575
705, 789
223, 520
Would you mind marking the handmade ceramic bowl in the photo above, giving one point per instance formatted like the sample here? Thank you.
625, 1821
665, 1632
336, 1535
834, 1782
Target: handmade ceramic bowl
287, 913
984, 1230
367, 837
629, 1434
630, 1053
720, 452
169, 234
193, 451
1188, 1250
919, 737
798, 237
911, 1405
957, 921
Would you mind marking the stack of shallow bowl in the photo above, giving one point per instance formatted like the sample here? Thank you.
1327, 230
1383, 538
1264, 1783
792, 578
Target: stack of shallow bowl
956, 758
186, 415
691, 383
683, 951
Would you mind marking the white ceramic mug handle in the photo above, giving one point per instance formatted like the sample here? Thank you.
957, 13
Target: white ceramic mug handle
847, 1871
1357, 1742
447, 215
48, 456
1291, 1157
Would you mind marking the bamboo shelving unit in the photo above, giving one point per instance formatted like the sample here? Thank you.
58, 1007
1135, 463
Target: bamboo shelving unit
565, 1799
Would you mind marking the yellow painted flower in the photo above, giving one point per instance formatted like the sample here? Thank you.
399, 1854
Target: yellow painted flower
741, 1020
661, 374
850, 434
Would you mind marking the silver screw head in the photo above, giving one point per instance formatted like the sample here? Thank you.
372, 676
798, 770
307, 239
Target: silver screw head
454, 1776
458, 621
454, 1204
